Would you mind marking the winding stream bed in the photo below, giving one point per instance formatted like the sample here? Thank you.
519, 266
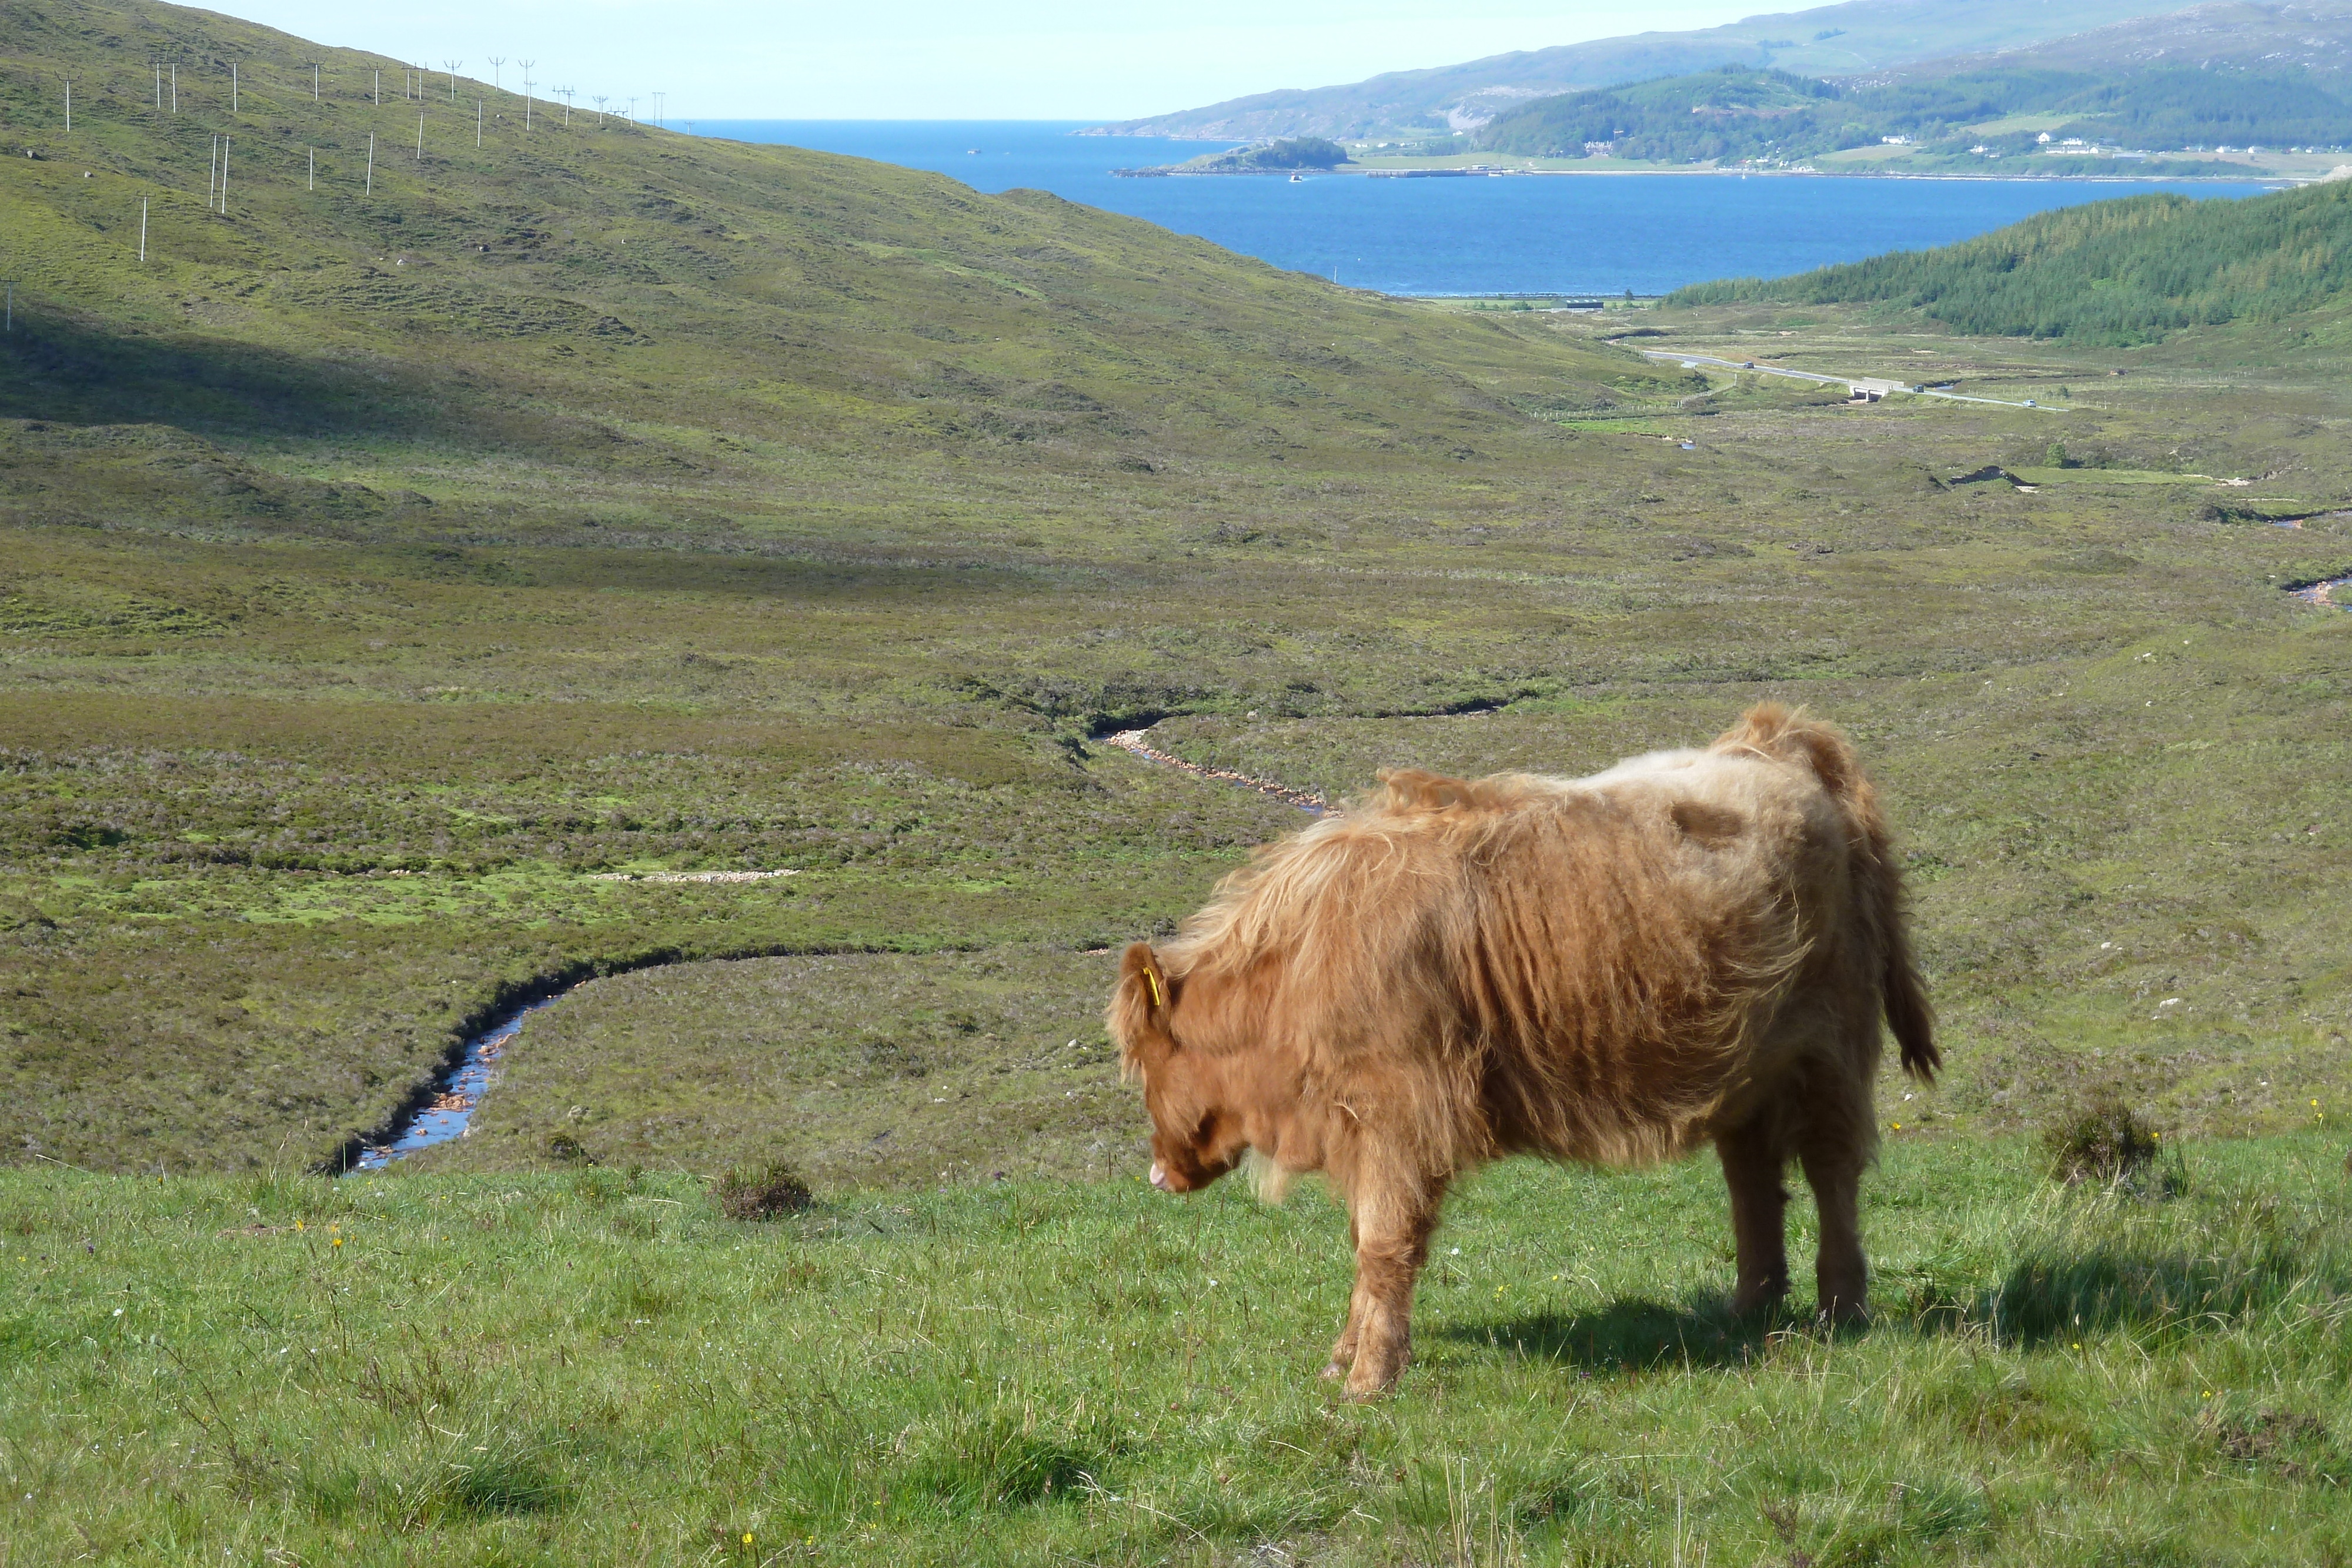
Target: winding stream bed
442, 1114
2325, 591
449, 1104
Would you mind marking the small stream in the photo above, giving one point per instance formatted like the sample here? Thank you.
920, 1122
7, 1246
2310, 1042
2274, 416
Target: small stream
448, 1106
2324, 591
443, 1111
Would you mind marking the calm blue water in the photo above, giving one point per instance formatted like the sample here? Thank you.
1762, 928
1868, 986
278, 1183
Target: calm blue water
458, 1093
1598, 233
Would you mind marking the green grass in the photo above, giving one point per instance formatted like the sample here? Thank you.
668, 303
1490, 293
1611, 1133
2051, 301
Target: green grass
596, 1367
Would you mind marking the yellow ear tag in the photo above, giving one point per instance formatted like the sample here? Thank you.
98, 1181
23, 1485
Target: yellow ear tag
1151, 979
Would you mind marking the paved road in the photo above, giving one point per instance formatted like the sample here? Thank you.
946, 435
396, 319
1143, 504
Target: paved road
1846, 382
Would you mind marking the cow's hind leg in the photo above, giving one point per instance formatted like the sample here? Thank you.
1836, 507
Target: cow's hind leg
1392, 1222
1753, 1160
1834, 1145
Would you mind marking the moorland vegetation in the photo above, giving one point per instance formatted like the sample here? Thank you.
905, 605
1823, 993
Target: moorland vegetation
401, 589
367, 655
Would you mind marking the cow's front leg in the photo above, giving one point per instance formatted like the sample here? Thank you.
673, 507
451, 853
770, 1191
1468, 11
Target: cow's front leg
1392, 1230
1343, 1349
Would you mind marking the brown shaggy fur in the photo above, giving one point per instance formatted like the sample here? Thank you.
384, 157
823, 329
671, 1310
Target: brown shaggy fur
1691, 948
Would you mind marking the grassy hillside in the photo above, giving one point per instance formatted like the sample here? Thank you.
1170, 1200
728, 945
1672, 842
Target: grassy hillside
548, 1370
636, 309
2128, 271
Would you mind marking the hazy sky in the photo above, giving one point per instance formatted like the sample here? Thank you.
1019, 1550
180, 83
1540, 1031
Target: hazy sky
982, 59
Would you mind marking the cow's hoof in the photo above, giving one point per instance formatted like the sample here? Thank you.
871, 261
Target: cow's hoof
1332, 1373
1369, 1393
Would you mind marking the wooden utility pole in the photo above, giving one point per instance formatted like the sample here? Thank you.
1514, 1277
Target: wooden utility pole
175, 86
420, 136
314, 81
526, 66
143, 228
159, 87
68, 106
232, 87
379, 88
477, 122
224, 201
453, 66
496, 61
314, 167
371, 173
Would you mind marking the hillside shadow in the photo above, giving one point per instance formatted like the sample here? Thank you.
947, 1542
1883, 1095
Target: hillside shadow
53, 367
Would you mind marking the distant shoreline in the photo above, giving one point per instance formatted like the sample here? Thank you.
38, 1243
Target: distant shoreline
2248, 177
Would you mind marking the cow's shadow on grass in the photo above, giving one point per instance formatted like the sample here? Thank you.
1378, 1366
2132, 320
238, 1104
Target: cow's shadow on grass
1636, 1333
2153, 1294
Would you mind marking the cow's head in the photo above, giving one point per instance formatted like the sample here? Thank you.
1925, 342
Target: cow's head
1196, 1137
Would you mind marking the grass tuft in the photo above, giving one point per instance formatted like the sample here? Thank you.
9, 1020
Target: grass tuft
762, 1192
2103, 1142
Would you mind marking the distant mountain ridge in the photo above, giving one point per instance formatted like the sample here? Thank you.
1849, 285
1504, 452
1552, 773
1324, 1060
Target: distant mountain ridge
2211, 77
2275, 38
1850, 39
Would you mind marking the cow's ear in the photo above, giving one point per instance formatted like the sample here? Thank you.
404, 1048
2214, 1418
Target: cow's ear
1140, 968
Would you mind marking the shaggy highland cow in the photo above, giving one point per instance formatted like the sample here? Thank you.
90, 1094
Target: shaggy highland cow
1693, 946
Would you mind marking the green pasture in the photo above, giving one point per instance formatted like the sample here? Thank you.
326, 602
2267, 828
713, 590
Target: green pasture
594, 1367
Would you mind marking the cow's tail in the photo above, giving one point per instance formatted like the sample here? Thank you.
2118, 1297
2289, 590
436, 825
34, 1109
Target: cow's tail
1786, 735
